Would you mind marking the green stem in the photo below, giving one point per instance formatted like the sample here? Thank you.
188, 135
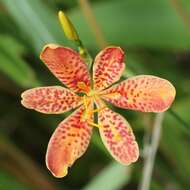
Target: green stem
84, 53
179, 119
92, 22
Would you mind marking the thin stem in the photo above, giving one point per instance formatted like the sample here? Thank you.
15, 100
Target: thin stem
88, 13
185, 17
84, 53
179, 119
151, 152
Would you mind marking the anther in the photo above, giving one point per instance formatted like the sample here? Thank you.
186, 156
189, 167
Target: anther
94, 124
99, 109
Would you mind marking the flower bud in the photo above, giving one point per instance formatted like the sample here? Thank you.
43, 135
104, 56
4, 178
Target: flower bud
68, 27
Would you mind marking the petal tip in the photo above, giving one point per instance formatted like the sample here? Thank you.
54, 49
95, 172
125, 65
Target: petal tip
23, 94
62, 173
169, 98
23, 100
51, 46
116, 48
121, 50
173, 91
59, 173
136, 157
57, 170
133, 157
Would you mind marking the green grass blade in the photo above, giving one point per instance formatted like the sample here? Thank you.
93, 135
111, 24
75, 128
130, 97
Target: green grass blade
13, 65
105, 179
36, 21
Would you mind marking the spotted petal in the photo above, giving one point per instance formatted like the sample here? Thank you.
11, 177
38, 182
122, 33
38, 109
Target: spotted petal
51, 99
118, 137
69, 141
143, 93
67, 66
108, 67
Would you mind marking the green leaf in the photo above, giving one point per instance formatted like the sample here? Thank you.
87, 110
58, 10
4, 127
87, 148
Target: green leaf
174, 142
12, 64
152, 24
8, 182
36, 21
106, 178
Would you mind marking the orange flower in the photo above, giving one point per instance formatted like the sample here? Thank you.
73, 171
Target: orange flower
71, 138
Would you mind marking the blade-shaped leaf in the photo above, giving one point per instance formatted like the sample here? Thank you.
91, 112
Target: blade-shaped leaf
12, 65
36, 21
8, 182
174, 142
105, 179
153, 24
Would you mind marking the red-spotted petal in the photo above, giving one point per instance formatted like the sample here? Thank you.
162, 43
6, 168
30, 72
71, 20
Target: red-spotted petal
118, 137
50, 100
143, 93
67, 66
108, 67
69, 141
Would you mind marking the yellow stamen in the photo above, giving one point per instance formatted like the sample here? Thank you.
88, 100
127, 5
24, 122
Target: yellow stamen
85, 102
94, 124
112, 95
98, 110
88, 112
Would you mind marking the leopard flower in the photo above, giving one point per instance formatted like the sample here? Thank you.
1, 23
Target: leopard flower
70, 140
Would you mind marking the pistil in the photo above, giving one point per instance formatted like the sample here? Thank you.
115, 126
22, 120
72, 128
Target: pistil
88, 99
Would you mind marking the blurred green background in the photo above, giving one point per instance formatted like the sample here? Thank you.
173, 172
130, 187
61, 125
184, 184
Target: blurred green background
155, 35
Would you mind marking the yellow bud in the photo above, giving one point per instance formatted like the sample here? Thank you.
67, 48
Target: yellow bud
68, 27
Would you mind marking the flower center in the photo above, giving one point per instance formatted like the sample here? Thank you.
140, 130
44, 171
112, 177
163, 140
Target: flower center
88, 99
